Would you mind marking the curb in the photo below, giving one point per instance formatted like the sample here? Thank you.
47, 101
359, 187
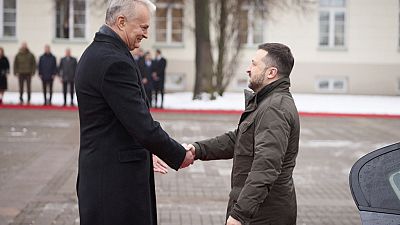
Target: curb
209, 112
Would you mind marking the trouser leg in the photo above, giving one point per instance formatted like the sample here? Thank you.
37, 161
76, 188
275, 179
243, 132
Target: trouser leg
28, 86
21, 87
44, 91
72, 89
50, 83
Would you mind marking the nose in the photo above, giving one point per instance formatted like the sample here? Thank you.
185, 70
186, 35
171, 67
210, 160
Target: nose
248, 70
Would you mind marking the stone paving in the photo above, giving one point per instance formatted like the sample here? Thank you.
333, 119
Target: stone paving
38, 160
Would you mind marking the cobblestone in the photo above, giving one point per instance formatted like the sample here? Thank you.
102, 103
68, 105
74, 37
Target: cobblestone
38, 158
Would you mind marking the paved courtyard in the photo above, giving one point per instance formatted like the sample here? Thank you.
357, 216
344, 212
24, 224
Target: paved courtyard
38, 161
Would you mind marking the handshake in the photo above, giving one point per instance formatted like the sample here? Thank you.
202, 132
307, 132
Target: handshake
160, 166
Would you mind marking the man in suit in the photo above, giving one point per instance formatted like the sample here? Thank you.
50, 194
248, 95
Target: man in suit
47, 71
66, 71
160, 63
115, 182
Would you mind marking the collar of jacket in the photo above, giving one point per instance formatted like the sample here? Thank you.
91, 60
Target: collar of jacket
106, 34
253, 99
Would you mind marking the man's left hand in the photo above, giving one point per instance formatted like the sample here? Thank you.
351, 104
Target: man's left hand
232, 221
159, 166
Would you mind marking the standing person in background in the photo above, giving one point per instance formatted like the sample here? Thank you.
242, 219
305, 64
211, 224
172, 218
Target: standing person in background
138, 56
47, 72
4, 70
146, 76
159, 77
66, 71
24, 69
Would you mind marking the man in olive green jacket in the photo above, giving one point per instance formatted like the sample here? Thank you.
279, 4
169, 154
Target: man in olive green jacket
24, 69
264, 146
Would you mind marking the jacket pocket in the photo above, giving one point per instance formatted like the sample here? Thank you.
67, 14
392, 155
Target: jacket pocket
132, 155
245, 139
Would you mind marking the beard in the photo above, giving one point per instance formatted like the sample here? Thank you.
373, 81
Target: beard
257, 83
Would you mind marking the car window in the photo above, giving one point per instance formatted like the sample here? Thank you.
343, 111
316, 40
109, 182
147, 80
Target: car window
394, 180
380, 181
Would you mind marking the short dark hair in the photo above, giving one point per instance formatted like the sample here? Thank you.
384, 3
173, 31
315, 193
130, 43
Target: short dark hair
279, 56
158, 51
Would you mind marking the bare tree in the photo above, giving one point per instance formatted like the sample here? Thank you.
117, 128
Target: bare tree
226, 20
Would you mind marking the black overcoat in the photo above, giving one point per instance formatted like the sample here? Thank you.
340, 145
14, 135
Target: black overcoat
115, 178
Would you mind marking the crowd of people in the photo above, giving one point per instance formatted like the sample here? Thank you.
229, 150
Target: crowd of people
153, 75
25, 66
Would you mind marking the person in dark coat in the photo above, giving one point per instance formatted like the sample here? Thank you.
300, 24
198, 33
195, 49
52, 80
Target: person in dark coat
147, 79
264, 147
115, 183
160, 63
4, 70
66, 71
47, 72
24, 69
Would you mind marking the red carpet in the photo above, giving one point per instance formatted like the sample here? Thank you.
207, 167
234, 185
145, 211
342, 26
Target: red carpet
210, 112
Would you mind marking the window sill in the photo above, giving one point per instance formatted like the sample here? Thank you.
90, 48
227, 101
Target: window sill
332, 49
8, 39
249, 46
168, 45
69, 41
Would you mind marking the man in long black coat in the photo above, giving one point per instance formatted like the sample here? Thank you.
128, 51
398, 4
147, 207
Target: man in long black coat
115, 178
160, 63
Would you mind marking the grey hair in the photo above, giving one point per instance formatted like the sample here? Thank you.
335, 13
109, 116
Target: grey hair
126, 8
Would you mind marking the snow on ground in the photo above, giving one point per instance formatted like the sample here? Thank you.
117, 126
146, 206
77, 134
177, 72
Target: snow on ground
313, 103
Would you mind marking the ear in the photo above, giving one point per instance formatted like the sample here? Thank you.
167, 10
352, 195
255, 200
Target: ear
272, 73
121, 22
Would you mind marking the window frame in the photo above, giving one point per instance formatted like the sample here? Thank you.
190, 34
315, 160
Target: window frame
251, 17
332, 10
331, 80
169, 20
2, 37
72, 24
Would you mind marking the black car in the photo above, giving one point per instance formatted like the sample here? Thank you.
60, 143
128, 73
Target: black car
375, 186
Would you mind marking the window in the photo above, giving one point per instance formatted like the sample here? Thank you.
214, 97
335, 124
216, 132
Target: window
251, 24
169, 21
70, 19
8, 18
332, 22
331, 85
175, 82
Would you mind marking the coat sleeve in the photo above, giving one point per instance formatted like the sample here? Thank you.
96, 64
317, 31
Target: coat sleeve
220, 147
54, 66
121, 90
16, 64
33, 64
60, 68
270, 142
40, 66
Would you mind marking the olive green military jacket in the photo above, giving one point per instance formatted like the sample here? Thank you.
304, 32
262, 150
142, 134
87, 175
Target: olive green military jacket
264, 149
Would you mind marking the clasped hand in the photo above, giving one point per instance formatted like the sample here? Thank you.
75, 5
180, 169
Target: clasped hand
160, 166
189, 158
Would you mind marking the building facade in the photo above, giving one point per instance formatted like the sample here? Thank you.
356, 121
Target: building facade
340, 46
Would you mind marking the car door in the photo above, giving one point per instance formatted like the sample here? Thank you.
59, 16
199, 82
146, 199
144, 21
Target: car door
375, 186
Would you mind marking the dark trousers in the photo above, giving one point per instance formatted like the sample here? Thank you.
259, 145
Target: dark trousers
148, 94
24, 78
47, 84
156, 92
71, 91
